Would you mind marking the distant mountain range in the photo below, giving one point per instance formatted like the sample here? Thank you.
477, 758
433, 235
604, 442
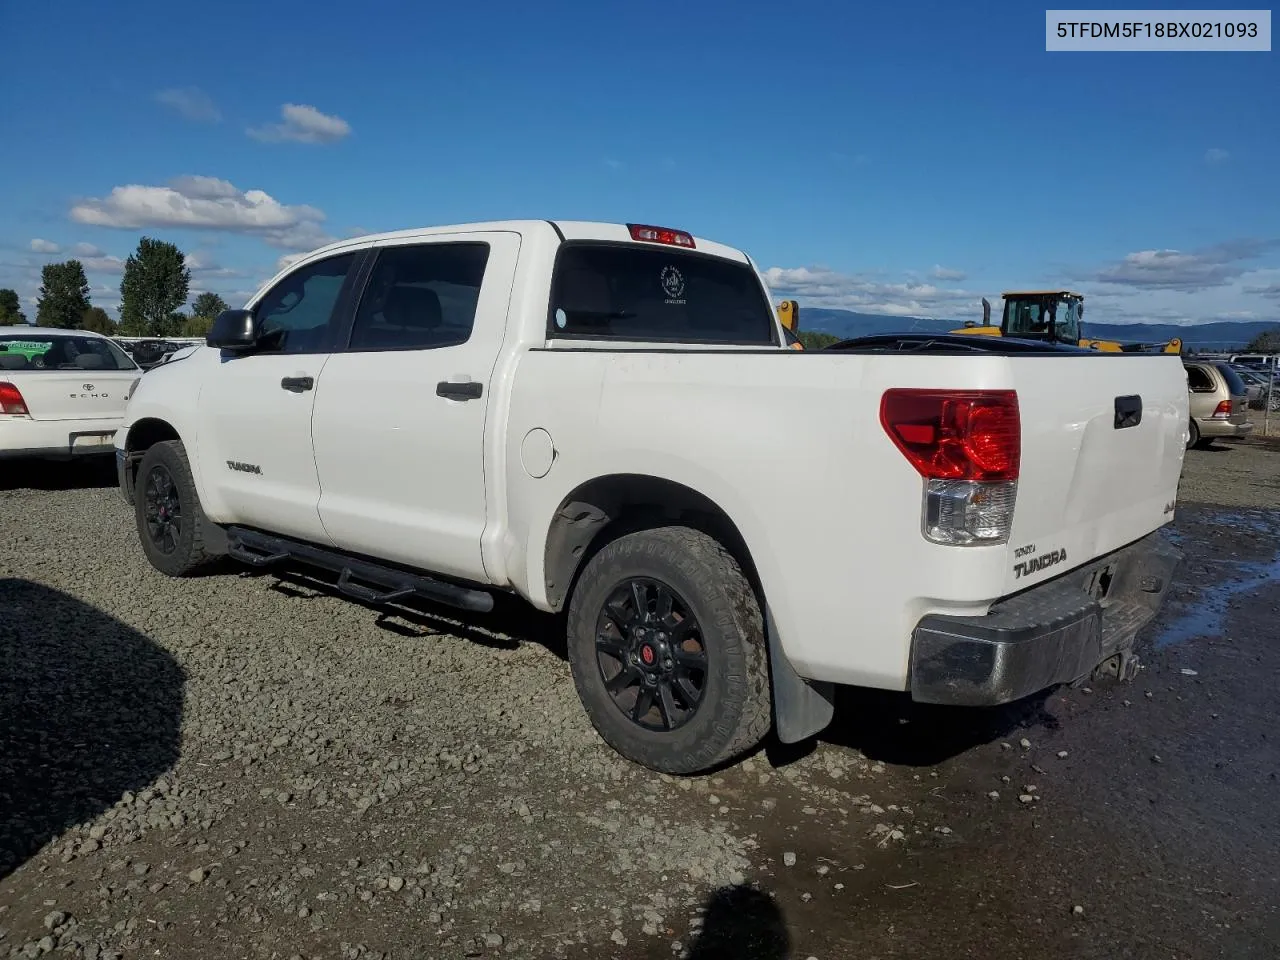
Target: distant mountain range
1221, 335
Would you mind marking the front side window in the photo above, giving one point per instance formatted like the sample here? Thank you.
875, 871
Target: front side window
296, 314
61, 352
420, 297
627, 292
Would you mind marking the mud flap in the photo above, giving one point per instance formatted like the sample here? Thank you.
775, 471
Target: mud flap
801, 708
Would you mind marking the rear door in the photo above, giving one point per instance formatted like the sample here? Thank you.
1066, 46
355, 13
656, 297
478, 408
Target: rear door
67, 376
1103, 439
400, 413
255, 408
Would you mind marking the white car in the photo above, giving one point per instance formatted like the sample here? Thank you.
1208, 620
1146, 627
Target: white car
607, 420
62, 392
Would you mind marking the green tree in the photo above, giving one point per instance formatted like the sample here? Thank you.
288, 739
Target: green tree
64, 295
1266, 342
813, 340
208, 306
10, 308
197, 325
155, 285
96, 320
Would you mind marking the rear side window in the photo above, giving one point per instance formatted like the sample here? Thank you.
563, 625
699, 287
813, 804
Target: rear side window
421, 296
1234, 383
61, 352
625, 292
1199, 380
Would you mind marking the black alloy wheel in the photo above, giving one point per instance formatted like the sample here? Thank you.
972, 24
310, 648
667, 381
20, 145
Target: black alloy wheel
651, 656
163, 509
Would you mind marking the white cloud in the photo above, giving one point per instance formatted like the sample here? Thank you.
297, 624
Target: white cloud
940, 272
103, 264
206, 203
822, 287
303, 124
1213, 266
1216, 155
202, 264
45, 246
192, 102
87, 250
288, 260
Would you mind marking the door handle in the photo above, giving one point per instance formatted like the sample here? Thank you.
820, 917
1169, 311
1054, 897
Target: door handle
297, 384
465, 390
1128, 412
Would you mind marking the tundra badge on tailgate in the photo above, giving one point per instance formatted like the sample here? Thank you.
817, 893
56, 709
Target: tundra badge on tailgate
1027, 567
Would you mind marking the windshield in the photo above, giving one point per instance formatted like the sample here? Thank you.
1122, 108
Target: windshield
1030, 317
640, 293
61, 351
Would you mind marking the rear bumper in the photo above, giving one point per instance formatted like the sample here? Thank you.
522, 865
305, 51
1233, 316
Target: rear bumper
1223, 428
1056, 632
21, 438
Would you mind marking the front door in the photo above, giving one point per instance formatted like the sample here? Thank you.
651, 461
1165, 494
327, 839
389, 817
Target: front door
255, 408
400, 414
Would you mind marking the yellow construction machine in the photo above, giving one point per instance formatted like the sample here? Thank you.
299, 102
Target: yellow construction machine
789, 315
1053, 315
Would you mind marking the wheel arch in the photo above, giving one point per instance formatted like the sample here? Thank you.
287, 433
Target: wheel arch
143, 434
599, 510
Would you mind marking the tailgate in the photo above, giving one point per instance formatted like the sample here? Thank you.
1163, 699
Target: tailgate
79, 395
1103, 439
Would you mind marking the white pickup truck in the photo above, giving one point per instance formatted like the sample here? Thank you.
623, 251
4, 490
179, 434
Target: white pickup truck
606, 420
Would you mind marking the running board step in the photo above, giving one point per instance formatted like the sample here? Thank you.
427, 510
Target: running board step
360, 579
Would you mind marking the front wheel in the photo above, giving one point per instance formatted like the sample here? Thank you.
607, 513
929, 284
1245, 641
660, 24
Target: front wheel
171, 524
667, 649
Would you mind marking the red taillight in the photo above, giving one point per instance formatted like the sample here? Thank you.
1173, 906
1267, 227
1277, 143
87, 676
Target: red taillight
11, 401
1222, 411
676, 238
956, 434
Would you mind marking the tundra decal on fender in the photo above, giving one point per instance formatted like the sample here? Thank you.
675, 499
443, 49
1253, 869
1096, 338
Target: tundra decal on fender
1028, 567
243, 467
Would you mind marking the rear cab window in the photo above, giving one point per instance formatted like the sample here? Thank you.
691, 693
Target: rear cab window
54, 352
628, 292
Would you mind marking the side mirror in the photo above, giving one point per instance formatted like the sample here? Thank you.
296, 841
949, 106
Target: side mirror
232, 330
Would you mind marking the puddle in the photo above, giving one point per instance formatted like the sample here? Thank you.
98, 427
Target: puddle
1207, 617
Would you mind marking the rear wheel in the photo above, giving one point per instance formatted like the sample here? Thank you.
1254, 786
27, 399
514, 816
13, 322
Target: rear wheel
1193, 438
666, 645
171, 524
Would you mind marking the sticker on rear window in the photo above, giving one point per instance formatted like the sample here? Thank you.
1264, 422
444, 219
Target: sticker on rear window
673, 284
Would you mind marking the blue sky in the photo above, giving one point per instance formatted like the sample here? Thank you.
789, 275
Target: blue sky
901, 158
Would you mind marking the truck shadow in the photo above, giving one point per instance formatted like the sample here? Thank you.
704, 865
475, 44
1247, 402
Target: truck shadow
892, 728
882, 725
86, 473
511, 622
89, 709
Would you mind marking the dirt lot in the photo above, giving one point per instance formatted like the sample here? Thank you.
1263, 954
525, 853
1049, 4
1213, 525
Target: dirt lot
238, 766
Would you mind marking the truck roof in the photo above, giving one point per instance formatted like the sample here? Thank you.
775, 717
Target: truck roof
566, 229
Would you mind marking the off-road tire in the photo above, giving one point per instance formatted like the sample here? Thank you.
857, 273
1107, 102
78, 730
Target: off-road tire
189, 554
735, 711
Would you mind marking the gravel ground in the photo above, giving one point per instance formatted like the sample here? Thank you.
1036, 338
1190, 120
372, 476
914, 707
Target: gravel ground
239, 766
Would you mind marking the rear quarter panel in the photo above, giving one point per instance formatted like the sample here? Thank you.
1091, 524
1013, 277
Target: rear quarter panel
790, 446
